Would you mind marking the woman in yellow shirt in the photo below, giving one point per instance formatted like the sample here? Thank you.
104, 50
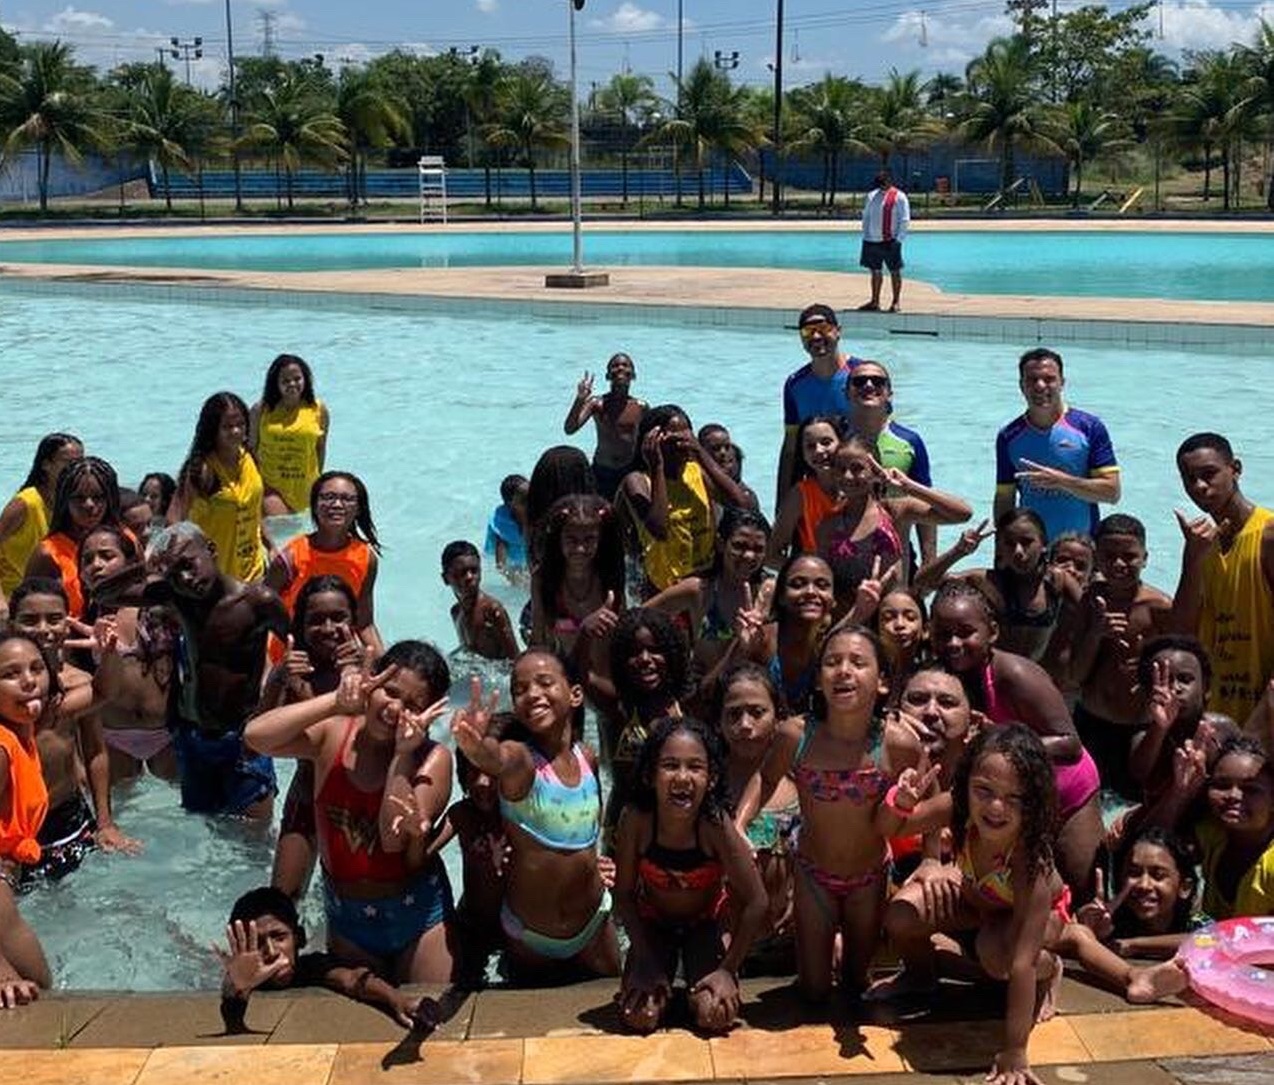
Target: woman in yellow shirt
25, 519
288, 435
220, 489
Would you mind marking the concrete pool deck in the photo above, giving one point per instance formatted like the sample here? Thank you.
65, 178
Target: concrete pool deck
670, 289
571, 1035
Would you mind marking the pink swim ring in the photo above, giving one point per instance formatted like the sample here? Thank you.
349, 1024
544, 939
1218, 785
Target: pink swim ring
1223, 963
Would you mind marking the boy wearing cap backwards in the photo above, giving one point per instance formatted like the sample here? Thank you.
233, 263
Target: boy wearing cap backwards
818, 387
264, 938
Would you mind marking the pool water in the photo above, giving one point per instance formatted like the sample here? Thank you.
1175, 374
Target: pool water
432, 411
1220, 266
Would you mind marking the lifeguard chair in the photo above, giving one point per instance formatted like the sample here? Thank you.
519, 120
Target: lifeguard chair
433, 185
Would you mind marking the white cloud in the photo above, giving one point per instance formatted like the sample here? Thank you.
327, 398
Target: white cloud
628, 18
1196, 24
488, 7
71, 20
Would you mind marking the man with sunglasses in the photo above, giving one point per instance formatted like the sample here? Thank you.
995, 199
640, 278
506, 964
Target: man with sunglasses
818, 387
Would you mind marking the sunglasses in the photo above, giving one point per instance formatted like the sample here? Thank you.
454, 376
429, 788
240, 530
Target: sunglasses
869, 380
817, 327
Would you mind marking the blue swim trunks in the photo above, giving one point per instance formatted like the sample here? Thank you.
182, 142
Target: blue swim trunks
384, 927
219, 775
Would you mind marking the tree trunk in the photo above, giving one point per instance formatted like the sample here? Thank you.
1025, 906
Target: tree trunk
278, 187
530, 163
1006, 166
623, 158
42, 161
168, 190
725, 181
288, 170
1225, 177
833, 182
1079, 180
486, 182
1207, 172
699, 165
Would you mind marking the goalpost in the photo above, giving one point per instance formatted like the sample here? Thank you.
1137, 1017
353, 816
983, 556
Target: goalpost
966, 162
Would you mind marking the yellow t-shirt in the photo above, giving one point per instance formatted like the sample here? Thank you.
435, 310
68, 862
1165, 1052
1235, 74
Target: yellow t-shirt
287, 451
231, 518
16, 550
690, 542
1255, 895
1236, 625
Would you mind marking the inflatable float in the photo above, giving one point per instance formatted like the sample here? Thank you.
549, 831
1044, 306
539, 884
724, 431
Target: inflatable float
1223, 962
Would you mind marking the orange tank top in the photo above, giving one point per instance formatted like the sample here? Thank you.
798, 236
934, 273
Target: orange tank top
306, 561
26, 803
65, 553
816, 506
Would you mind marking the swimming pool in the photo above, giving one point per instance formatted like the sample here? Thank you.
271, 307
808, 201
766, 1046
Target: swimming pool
432, 411
1219, 266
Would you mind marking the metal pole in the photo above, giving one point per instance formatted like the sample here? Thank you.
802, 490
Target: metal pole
676, 148
775, 186
234, 112
577, 246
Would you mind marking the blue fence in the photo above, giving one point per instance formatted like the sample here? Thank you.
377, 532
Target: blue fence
20, 176
462, 184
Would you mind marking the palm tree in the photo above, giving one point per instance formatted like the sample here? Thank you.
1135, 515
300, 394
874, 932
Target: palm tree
632, 98
941, 92
48, 104
293, 124
1085, 132
1210, 114
833, 121
531, 110
1259, 58
481, 94
715, 116
161, 119
902, 122
373, 116
1003, 108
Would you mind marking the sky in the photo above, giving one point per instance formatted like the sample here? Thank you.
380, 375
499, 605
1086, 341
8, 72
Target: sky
864, 38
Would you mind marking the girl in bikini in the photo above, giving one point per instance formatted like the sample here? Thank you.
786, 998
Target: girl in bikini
1011, 688
556, 910
804, 598
577, 590
748, 717
381, 787
675, 850
343, 543
28, 690
848, 812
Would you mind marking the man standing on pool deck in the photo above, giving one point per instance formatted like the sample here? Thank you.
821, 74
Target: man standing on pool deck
1054, 459
886, 216
1226, 593
818, 387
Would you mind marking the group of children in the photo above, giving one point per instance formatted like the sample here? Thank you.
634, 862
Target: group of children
815, 751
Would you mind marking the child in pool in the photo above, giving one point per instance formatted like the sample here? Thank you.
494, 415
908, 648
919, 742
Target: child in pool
264, 939
1011, 688
381, 785
320, 648
901, 622
506, 530
72, 749
87, 495
556, 910
813, 497
476, 823
718, 444
134, 514
1073, 554
1175, 673
788, 643
28, 690
481, 622
25, 519
675, 849
748, 718
577, 591
105, 552
848, 812
288, 429
1153, 910
158, 489
343, 543
617, 415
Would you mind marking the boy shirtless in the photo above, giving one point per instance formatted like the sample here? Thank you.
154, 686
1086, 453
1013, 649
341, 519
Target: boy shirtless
1117, 613
482, 623
617, 415
218, 656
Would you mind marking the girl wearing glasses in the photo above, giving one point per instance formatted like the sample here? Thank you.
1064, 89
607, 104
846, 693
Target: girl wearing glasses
343, 543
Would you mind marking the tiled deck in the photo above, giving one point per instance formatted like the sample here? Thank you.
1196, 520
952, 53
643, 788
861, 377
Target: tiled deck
571, 1035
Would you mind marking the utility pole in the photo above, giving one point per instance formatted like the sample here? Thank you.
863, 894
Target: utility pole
234, 112
267, 32
186, 50
775, 184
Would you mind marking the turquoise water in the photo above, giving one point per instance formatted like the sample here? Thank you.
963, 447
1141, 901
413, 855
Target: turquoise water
1229, 266
432, 411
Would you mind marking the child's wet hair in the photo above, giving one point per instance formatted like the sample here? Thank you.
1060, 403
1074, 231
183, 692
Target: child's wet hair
50, 445
461, 548
917, 600
1213, 442
959, 590
560, 470
716, 800
511, 486
318, 585
669, 642
364, 527
582, 510
421, 659
195, 469
1183, 857
1078, 538
1172, 642
517, 730
123, 539
737, 519
271, 396
744, 672
1024, 751
72, 475
1245, 746
1120, 523
1021, 515
780, 581
268, 900
840, 426
503, 725
657, 417
818, 702
37, 585
167, 488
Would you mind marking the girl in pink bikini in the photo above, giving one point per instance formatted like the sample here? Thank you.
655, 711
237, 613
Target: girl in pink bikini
849, 810
1009, 688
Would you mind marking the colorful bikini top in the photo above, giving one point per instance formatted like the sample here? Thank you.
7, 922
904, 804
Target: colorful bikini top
858, 787
556, 815
1018, 615
858, 555
795, 693
996, 885
668, 869
715, 626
